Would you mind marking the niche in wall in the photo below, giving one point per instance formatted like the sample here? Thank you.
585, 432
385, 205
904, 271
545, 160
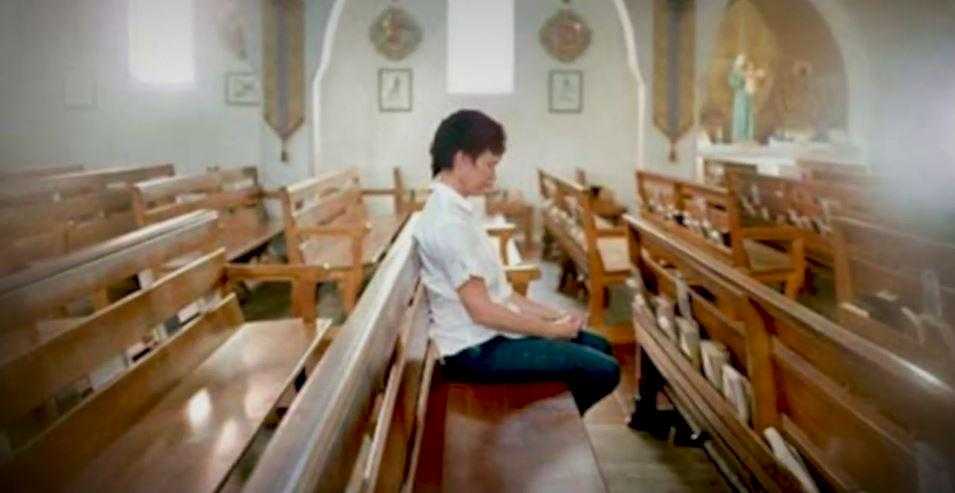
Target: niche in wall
805, 91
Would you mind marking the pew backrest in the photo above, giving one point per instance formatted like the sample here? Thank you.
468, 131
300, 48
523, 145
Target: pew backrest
50, 216
358, 421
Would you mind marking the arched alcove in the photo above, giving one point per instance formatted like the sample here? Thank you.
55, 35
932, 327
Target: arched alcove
606, 138
806, 88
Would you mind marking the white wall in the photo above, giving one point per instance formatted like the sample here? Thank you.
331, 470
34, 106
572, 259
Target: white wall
131, 122
603, 138
911, 135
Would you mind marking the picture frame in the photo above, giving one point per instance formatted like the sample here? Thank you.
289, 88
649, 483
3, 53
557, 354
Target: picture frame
395, 90
242, 89
565, 91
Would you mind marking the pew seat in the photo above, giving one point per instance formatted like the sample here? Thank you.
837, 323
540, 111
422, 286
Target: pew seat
207, 416
505, 437
335, 251
764, 258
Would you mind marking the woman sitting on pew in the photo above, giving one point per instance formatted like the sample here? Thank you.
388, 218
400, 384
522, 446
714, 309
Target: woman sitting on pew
484, 331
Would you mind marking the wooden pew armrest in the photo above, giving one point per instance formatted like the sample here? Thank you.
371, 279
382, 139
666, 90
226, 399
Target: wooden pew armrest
275, 272
350, 230
614, 232
302, 277
378, 191
520, 276
505, 231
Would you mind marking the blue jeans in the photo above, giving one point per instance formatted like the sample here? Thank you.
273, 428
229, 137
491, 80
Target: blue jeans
585, 364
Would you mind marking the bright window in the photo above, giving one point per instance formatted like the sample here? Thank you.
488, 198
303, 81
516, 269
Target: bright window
161, 42
480, 46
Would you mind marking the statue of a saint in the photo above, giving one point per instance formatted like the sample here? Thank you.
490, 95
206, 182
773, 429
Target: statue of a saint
744, 80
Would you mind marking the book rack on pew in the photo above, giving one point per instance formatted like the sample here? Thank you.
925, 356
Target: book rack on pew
805, 402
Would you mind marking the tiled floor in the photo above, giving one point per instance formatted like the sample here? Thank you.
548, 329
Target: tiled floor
631, 461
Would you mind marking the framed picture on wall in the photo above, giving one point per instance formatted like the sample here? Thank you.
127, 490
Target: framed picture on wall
565, 91
395, 89
242, 89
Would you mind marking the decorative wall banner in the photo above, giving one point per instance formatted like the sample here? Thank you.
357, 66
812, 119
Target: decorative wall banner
674, 59
283, 66
395, 33
566, 35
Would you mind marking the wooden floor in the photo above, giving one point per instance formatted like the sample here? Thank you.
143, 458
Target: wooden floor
631, 461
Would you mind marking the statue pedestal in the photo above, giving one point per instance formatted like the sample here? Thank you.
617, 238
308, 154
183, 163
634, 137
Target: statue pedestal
778, 158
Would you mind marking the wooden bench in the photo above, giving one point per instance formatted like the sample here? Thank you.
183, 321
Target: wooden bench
328, 224
804, 204
181, 417
715, 171
604, 203
46, 217
363, 421
711, 219
598, 249
860, 416
32, 172
66, 301
897, 290
234, 193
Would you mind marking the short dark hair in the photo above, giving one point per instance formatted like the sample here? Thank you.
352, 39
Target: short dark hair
469, 131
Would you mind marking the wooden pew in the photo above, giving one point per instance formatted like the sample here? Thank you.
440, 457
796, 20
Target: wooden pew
235, 193
804, 204
715, 171
51, 216
861, 416
604, 203
327, 224
363, 418
29, 172
66, 301
897, 290
598, 249
181, 417
711, 218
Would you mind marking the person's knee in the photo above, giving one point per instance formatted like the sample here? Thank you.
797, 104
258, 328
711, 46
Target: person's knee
604, 373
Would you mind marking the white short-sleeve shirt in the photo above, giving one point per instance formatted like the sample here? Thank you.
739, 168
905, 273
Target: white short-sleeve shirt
453, 247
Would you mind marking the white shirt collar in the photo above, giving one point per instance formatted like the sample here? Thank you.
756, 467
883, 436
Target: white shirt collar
451, 195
